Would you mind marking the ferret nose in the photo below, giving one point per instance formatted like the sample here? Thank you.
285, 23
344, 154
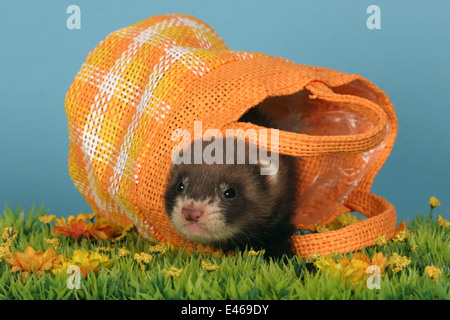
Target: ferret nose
192, 213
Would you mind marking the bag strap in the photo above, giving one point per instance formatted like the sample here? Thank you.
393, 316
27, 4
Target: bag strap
300, 145
381, 220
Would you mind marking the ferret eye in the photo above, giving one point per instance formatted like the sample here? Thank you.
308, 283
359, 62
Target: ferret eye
180, 187
229, 193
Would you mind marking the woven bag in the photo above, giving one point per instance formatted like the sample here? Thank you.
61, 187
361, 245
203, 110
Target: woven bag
163, 73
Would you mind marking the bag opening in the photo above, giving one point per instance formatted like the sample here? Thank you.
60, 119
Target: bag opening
324, 182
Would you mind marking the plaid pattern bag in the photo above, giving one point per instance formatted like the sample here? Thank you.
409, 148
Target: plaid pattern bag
144, 81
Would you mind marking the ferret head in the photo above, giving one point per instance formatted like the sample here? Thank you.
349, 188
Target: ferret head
216, 203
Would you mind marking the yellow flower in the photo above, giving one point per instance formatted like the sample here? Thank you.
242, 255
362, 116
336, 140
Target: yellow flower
86, 260
123, 252
4, 250
313, 257
434, 202
54, 242
354, 269
433, 272
105, 249
47, 219
345, 219
381, 241
160, 248
328, 265
414, 247
357, 270
142, 258
209, 267
90, 261
342, 221
9, 234
359, 264
399, 262
31, 261
401, 236
62, 267
320, 229
172, 272
401, 233
442, 222
253, 253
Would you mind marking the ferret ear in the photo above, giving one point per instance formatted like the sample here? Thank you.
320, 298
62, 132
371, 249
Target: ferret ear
269, 169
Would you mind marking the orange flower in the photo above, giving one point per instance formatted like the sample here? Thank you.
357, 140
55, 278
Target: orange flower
379, 260
74, 227
401, 226
31, 261
78, 227
361, 256
106, 230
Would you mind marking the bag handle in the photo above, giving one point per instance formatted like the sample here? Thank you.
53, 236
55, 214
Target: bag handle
381, 220
303, 145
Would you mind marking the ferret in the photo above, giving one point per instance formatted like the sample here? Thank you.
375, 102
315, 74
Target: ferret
232, 206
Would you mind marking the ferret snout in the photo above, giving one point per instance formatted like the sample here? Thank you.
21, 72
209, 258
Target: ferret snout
192, 213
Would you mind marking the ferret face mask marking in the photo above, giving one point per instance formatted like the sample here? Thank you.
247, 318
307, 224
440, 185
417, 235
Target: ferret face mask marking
208, 203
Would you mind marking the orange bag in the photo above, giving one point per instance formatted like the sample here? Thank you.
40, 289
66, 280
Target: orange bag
144, 81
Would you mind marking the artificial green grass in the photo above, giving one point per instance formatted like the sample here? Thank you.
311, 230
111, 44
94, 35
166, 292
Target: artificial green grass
239, 277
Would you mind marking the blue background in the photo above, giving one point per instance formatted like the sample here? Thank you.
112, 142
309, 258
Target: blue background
408, 59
